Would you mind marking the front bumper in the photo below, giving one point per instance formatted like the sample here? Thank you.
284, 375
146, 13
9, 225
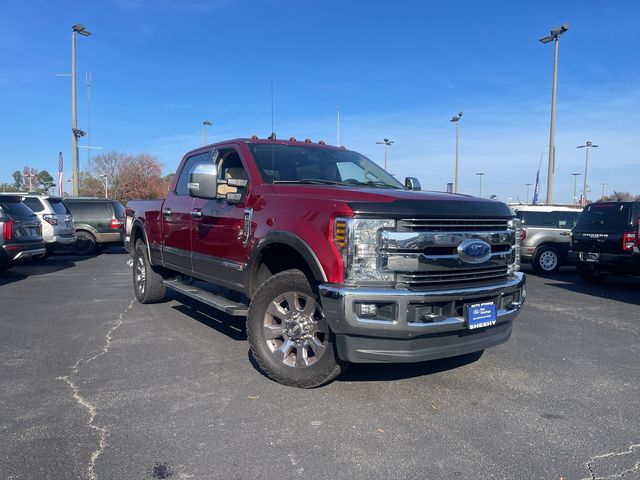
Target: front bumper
425, 325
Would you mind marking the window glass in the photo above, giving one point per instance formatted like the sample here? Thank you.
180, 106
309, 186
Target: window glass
15, 208
567, 219
609, 216
90, 210
58, 206
119, 209
34, 204
183, 179
538, 219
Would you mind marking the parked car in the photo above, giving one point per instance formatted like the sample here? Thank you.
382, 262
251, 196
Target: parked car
55, 218
98, 222
546, 231
606, 240
330, 258
21, 236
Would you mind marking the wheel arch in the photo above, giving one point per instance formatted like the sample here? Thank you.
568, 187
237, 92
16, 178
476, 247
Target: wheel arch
279, 251
138, 232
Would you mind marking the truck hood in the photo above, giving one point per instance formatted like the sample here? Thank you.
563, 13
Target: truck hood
379, 202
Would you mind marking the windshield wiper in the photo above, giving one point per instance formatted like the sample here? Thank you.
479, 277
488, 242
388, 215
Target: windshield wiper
313, 181
373, 183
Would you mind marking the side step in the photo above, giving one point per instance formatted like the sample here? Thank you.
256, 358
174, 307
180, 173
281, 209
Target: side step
216, 301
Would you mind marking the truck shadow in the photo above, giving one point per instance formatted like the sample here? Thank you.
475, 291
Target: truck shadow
375, 372
53, 264
232, 327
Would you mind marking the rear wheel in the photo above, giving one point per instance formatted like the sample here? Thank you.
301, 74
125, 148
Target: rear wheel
546, 261
85, 244
288, 333
147, 279
591, 275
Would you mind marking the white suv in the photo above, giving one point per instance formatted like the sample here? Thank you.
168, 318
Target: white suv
57, 222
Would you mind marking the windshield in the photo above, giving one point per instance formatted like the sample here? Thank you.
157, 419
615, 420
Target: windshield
605, 217
300, 164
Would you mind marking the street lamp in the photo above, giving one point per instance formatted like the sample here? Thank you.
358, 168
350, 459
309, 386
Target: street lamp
205, 123
106, 186
575, 183
80, 30
603, 185
386, 142
480, 174
528, 185
555, 34
456, 119
587, 145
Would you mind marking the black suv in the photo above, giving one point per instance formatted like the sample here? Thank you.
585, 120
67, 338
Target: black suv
99, 222
605, 240
21, 232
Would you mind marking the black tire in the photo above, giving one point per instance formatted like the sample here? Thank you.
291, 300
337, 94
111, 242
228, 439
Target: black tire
546, 261
85, 244
147, 279
591, 275
300, 351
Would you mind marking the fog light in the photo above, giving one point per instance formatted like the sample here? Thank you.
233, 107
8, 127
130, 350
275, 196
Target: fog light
366, 309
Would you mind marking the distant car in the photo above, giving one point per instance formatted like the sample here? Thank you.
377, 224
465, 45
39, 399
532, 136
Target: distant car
606, 240
546, 231
21, 232
98, 222
55, 218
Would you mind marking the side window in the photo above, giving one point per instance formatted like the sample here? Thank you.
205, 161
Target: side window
33, 203
183, 179
567, 220
229, 167
539, 219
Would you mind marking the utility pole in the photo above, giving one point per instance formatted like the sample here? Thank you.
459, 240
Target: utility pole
75, 131
528, 185
555, 34
456, 119
338, 126
603, 185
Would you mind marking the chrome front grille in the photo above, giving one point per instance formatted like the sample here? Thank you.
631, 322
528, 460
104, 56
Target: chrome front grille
423, 252
451, 225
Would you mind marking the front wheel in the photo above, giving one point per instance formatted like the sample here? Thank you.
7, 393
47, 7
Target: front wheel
288, 333
85, 244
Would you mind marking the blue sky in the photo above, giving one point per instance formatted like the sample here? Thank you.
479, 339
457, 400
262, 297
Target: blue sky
396, 69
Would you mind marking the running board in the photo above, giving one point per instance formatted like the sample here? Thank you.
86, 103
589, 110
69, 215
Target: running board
216, 301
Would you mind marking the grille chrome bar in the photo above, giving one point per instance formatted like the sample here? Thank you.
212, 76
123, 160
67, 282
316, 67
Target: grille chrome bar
445, 224
423, 278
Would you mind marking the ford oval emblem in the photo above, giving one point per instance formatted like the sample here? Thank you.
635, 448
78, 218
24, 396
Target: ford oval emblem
474, 251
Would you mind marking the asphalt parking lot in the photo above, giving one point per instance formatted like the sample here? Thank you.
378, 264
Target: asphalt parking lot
95, 385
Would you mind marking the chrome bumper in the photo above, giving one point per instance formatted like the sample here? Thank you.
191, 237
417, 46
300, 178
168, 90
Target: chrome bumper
339, 305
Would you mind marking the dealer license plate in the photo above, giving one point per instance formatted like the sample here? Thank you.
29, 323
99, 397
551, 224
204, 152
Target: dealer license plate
481, 315
592, 257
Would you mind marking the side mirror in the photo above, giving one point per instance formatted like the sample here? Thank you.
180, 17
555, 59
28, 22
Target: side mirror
203, 181
412, 183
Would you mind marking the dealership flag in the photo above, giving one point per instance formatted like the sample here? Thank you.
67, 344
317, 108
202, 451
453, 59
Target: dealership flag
60, 165
536, 190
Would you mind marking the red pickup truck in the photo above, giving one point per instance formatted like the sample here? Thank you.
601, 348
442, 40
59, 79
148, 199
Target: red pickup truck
329, 257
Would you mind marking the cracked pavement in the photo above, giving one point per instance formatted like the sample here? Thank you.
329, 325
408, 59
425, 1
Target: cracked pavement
93, 386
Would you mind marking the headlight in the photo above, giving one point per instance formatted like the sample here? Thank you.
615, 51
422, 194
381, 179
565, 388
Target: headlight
514, 226
358, 240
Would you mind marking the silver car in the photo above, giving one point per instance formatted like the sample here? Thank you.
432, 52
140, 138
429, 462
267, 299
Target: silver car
546, 231
57, 223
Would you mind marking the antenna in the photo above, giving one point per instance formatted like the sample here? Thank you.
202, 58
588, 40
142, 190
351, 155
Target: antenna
273, 131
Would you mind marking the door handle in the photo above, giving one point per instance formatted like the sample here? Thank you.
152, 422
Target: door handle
166, 212
566, 234
196, 214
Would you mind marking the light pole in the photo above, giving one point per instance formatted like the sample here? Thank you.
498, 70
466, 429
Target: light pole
386, 142
456, 119
81, 30
106, 186
338, 126
528, 185
575, 184
555, 34
205, 124
603, 185
587, 146
480, 174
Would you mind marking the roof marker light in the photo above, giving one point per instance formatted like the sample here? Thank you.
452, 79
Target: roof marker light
292, 139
